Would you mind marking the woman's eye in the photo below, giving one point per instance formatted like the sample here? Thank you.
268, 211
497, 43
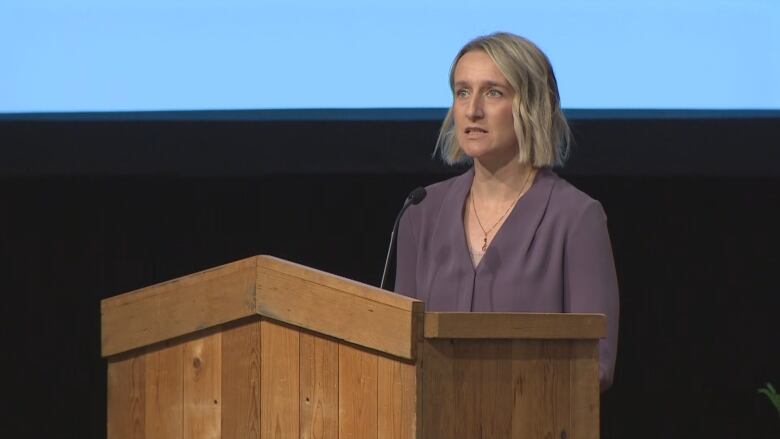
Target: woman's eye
462, 93
494, 93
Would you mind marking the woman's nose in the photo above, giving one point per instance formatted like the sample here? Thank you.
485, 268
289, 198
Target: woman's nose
474, 109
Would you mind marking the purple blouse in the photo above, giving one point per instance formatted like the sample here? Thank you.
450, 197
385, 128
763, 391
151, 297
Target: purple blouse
552, 254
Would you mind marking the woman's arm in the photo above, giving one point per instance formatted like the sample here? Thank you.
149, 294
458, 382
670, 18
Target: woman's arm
406, 257
590, 281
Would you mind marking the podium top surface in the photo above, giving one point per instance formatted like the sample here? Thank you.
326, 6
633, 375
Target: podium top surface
314, 301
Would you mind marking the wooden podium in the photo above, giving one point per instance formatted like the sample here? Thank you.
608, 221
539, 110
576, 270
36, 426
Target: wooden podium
264, 348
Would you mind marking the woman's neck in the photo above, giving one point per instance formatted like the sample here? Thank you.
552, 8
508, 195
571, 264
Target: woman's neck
500, 184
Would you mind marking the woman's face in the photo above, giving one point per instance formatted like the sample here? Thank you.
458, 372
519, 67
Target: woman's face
482, 109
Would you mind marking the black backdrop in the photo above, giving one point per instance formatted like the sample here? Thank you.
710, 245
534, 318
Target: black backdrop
95, 205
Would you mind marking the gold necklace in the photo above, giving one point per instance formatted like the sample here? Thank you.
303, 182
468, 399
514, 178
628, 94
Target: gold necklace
487, 232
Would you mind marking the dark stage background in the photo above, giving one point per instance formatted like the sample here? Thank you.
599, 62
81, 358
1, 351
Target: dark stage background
96, 205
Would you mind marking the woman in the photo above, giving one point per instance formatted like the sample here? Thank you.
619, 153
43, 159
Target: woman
508, 234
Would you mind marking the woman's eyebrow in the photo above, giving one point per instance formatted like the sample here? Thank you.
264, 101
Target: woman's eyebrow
484, 84
495, 84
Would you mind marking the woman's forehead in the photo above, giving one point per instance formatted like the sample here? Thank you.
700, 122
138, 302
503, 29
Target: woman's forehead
476, 67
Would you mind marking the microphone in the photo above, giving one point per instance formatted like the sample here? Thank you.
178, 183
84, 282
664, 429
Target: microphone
414, 197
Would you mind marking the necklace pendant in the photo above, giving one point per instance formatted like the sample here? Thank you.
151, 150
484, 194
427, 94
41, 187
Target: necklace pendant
484, 243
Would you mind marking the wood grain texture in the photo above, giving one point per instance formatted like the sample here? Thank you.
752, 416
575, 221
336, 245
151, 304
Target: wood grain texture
467, 389
178, 307
438, 390
397, 394
467, 392
280, 372
497, 397
501, 389
514, 325
319, 400
164, 381
202, 387
541, 376
357, 393
339, 283
585, 391
345, 315
241, 379
127, 397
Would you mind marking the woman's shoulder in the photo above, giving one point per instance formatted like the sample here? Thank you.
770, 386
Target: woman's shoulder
441, 195
566, 199
442, 189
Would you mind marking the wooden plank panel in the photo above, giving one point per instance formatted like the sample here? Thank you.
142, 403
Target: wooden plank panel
164, 381
241, 380
202, 387
280, 372
438, 393
126, 397
541, 376
357, 393
585, 389
319, 398
466, 382
514, 325
496, 389
396, 399
178, 307
340, 314
339, 283
467, 390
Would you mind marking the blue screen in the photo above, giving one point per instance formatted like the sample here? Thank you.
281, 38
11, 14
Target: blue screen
89, 55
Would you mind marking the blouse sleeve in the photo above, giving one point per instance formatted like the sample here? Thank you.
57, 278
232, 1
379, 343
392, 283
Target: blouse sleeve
406, 257
590, 281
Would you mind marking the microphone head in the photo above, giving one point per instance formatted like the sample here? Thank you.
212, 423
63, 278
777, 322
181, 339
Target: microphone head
417, 195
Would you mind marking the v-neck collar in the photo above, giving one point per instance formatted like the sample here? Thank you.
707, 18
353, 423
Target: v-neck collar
521, 221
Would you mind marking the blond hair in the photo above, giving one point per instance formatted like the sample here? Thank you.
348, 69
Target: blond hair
542, 131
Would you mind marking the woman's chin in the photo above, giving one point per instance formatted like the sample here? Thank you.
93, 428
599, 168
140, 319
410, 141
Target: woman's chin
476, 151
491, 157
